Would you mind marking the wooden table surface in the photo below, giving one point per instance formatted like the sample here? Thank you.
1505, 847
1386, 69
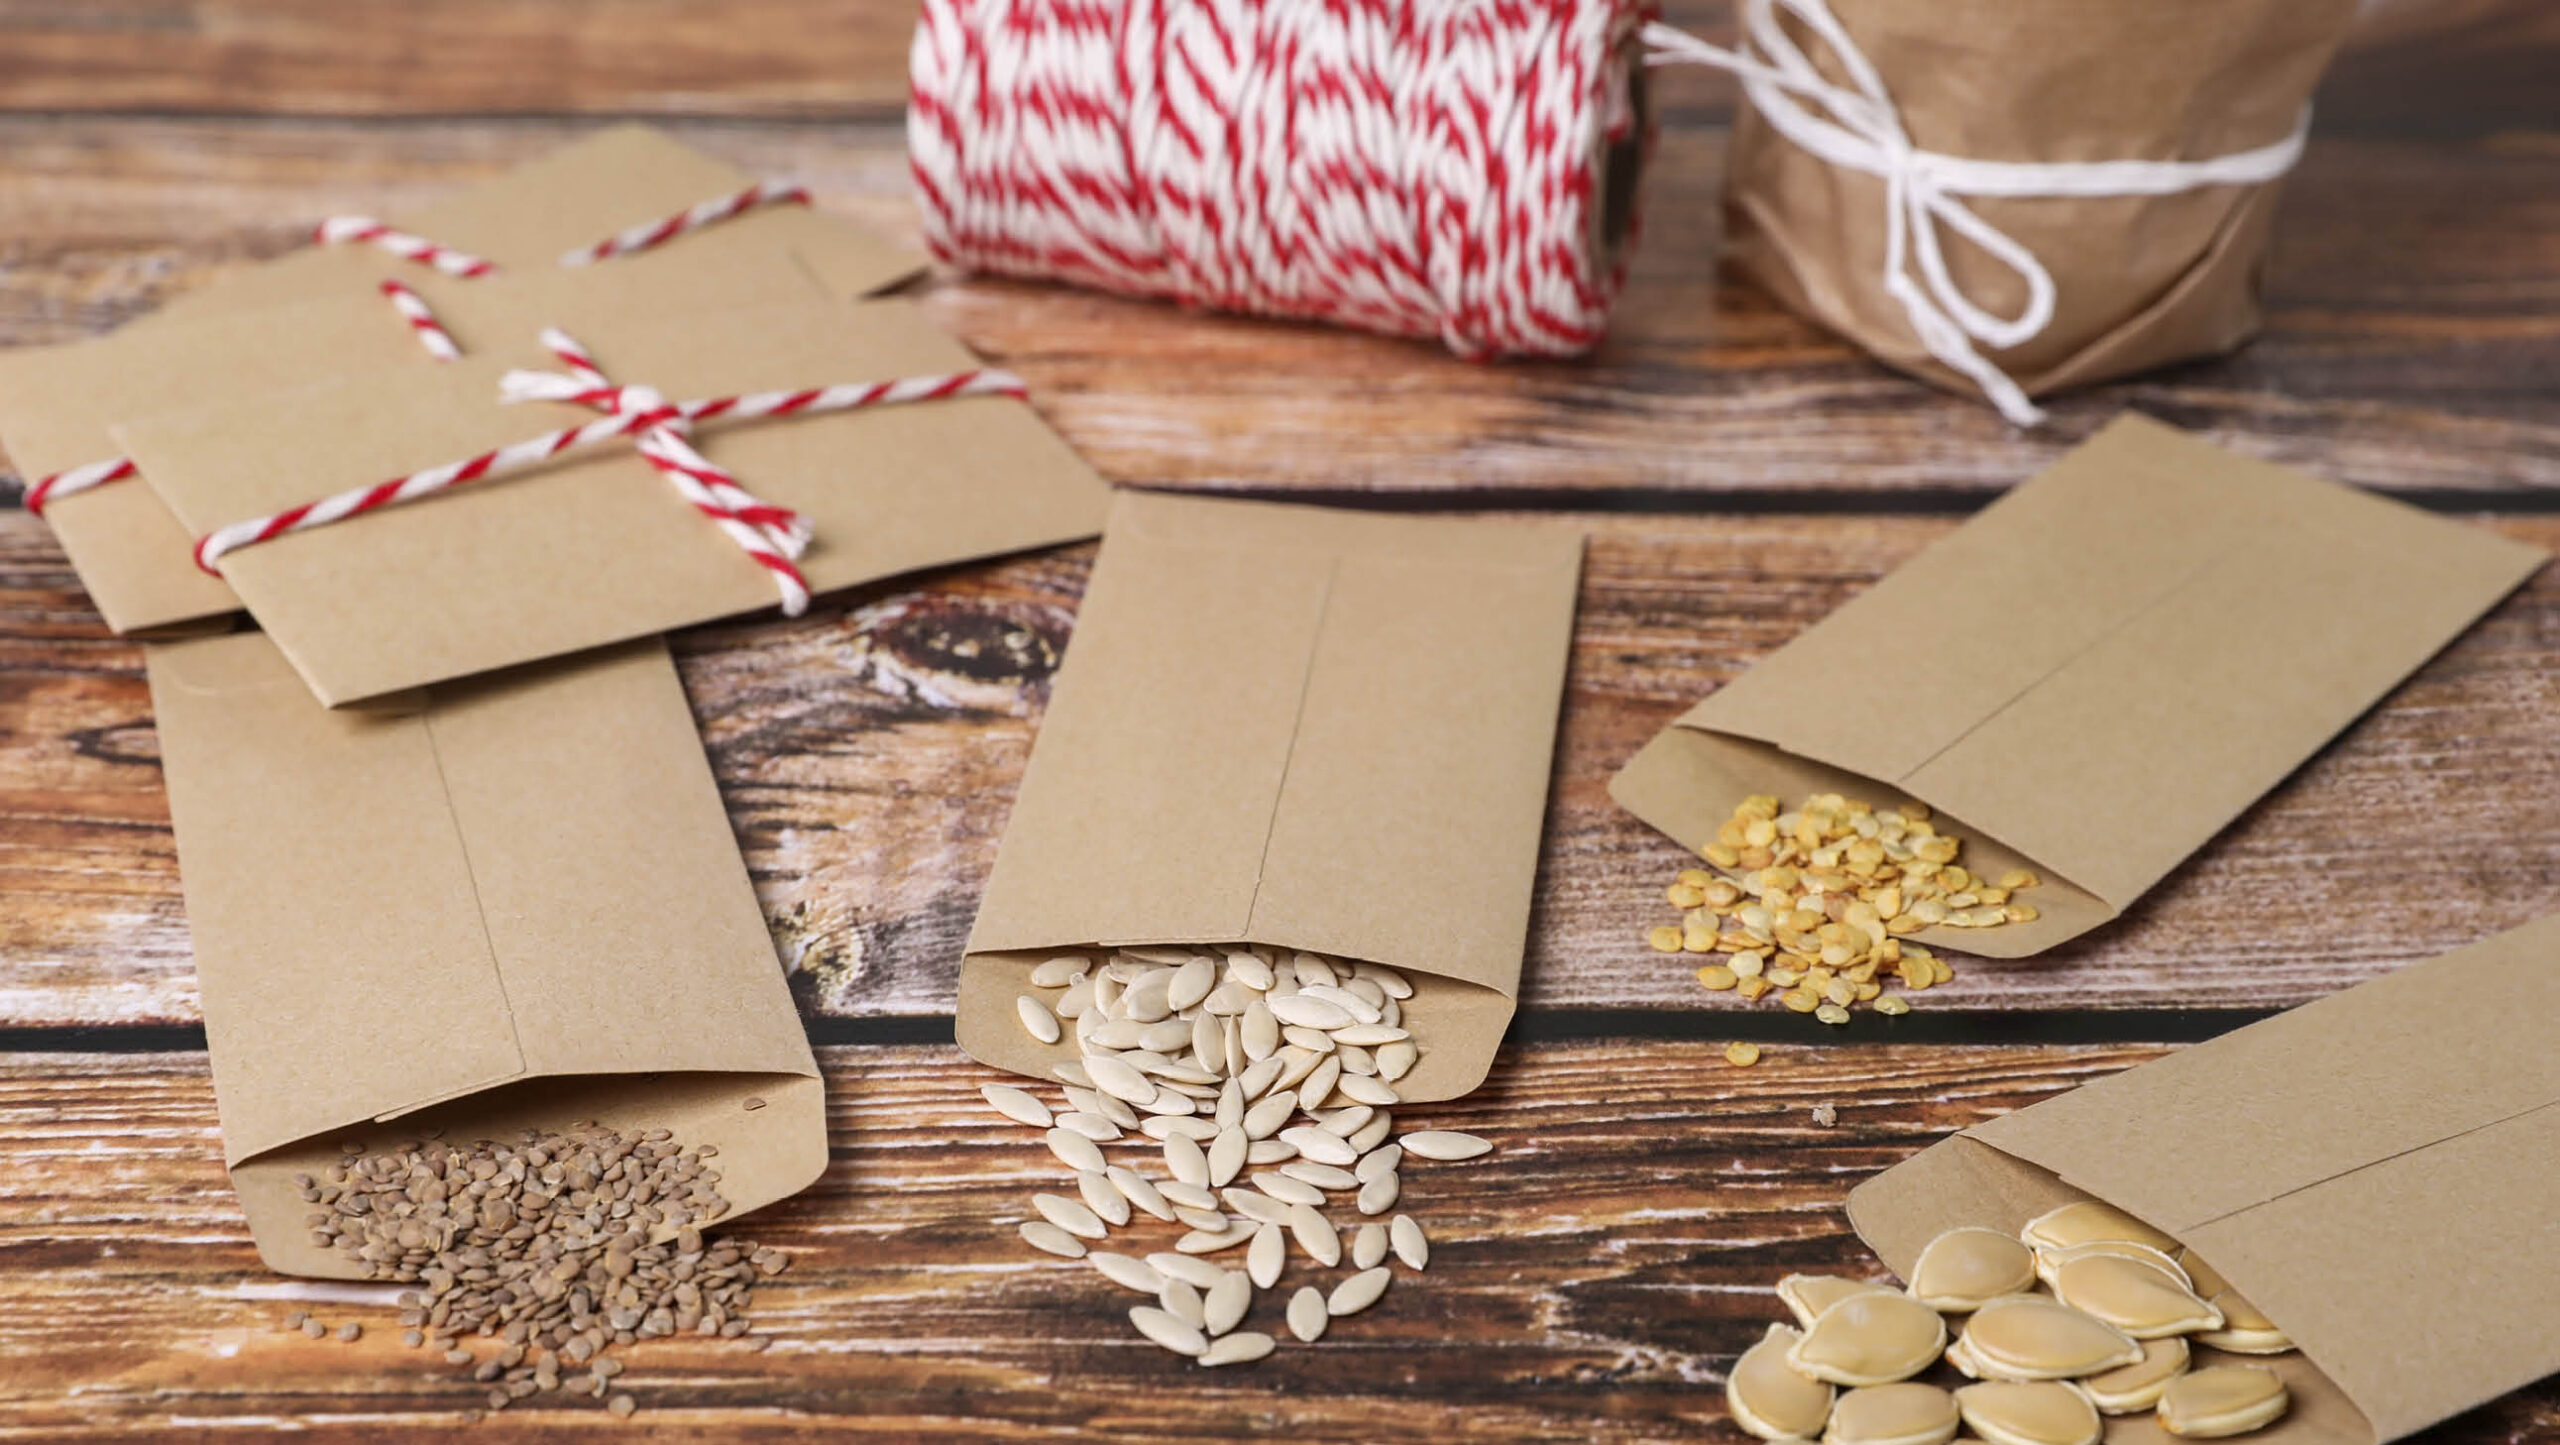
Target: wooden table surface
1741, 474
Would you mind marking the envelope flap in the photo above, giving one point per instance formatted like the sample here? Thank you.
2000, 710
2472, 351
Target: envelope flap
2107, 665
339, 944
530, 875
2396, 1065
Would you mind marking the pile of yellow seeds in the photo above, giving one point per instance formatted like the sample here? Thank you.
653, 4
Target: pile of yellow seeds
1819, 901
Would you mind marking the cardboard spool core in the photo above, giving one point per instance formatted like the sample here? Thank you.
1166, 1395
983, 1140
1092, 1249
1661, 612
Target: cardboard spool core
765, 1153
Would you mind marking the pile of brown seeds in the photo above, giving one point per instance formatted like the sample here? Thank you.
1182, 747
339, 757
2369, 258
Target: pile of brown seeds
2087, 1313
1263, 1082
543, 1247
1819, 900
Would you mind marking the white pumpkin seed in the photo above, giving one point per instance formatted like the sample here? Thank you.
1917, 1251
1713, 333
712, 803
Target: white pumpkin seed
1093, 1126
1264, 1119
1248, 970
1201, 1241
1267, 1255
1257, 1206
1312, 970
1315, 1234
1042, 1235
1270, 1151
1343, 1123
1136, 1188
1258, 1076
1307, 1314
1368, 1246
1308, 1012
1226, 1156
1198, 1273
1070, 1216
1037, 1021
1374, 1133
1410, 1244
1322, 1147
1372, 1091
1242, 1347
1187, 1164
1356, 1293
1114, 1075
1227, 1300
1207, 1221
1259, 1030
1289, 1189
1061, 971
1379, 1195
1184, 1195
1369, 1036
1323, 1176
1169, 1332
1162, 1128
1128, 1273
1016, 1105
1191, 983
1314, 1041
1317, 1090
1077, 1001
1355, 1060
1073, 1149
1071, 1072
1378, 1161
1181, 1299
1397, 1060
1445, 1144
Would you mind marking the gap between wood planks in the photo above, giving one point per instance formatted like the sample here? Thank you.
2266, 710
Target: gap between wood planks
1544, 1026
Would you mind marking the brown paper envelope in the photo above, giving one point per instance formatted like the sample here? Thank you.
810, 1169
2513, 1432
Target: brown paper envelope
527, 218
598, 547
526, 881
58, 404
2373, 1170
1305, 728
2097, 673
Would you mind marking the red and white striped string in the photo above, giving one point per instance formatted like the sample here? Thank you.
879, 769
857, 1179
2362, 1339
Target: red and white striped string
1418, 167
774, 537
413, 308
422, 320
365, 230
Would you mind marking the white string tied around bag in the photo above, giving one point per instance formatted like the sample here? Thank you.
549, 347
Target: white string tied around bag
1860, 129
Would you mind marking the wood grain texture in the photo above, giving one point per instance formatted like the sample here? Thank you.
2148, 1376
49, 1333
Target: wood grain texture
1589, 1281
869, 754
2413, 338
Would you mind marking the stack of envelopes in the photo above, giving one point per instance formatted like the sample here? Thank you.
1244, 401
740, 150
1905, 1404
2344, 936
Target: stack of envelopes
450, 847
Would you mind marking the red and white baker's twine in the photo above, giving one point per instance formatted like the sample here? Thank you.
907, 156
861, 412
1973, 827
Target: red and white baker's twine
1418, 167
773, 536
364, 230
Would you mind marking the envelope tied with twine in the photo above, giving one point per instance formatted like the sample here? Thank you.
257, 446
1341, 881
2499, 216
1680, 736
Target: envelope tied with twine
1298, 727
594, 546
508, 903
322, 312
2095, 675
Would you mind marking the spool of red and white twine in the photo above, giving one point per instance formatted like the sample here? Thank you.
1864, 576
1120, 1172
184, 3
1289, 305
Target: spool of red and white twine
1455, 168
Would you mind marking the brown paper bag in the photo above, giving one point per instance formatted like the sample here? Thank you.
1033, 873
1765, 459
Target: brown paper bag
2140, 280
2096, 674
597, 547
1305, 728
525, 219
516, 902
2372, 1170
59, 404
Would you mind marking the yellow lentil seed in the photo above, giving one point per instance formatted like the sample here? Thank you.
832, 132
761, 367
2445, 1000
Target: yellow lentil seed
1718, 977
1742, 1056
1665, 939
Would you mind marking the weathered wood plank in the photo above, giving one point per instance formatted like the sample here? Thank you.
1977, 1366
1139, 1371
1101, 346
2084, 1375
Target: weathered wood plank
2414, 312
1591, 1280
869, 754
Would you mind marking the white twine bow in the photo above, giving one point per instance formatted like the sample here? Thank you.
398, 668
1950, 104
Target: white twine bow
1861, 130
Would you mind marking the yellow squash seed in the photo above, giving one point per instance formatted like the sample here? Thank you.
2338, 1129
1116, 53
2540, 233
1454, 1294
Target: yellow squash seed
1908, 1413
1807, 1295
2134, 1295
1742, 1055
2245, 1329
1717, 977
2221, 1400
2044, 1412
2089, 1220
2129, 1388
2029, 1337
1770, 1400
1963, 1269
1870, 1339
1665, 939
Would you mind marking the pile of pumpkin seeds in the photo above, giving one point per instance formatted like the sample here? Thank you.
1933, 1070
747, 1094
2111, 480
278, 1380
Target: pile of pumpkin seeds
543, 1248
2088, 1313
1816, 903
1263, 1081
